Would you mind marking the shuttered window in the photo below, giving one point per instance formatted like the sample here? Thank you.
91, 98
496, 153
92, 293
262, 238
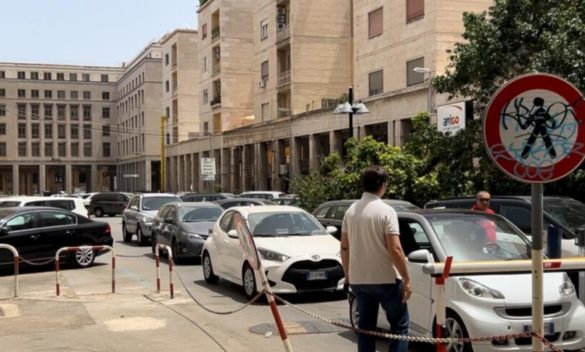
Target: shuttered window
375, 23
415, 9
376, 82
413, 77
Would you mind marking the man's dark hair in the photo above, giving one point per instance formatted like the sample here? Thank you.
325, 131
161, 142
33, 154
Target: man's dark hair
373, 177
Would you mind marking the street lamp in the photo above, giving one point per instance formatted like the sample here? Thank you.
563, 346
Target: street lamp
429, 72
350, 108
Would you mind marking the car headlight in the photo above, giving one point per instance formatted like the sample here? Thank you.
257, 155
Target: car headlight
567, 288
191, 236
272, 255
146, 219
478, 290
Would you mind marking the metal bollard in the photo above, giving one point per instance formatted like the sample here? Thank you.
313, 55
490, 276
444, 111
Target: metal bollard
554, 242
580, 242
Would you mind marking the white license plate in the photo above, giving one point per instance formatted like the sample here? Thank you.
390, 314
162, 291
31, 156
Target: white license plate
316, 275
549, 328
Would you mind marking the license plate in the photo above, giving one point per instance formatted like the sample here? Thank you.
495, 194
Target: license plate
549, 328
316, 275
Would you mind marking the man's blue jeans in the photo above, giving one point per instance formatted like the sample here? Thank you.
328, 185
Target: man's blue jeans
369, 298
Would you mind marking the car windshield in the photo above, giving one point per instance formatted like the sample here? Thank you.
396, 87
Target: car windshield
470, 237
569, 212
199, 214
154, 203
284, 224
9, 203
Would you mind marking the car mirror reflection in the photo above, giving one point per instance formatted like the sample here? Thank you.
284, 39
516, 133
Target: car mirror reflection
232, 234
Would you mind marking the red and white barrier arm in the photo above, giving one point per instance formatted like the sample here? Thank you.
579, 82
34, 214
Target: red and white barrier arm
73, 249
16, 264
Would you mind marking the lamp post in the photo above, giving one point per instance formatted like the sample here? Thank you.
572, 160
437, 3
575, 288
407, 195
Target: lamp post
427, 71
350, 108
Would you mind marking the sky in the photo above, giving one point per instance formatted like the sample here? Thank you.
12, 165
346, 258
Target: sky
87, 32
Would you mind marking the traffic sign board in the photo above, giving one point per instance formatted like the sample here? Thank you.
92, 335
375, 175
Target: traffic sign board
533, 128
207, 166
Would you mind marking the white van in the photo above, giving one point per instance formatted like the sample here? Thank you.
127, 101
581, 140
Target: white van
68, 203
270, 195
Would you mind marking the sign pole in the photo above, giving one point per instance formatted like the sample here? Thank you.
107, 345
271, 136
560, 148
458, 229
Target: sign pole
537, 269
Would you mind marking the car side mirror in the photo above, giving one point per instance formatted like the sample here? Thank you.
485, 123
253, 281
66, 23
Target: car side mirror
422, 256
134, 207
3, 230
332, 230
232, 234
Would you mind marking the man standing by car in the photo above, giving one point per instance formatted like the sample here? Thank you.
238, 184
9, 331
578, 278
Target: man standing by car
374, 262
482, 203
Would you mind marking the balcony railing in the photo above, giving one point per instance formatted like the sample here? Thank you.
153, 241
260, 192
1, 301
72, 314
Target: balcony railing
284, 78
215, 33
215, 102
283, 33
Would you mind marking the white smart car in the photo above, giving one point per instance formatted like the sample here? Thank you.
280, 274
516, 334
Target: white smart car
296, 251
482, 305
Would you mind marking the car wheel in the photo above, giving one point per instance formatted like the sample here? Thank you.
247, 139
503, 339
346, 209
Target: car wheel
175, 249
126, 236
98, 212
455, 328
83, 257
249, 281
140, 237
208, 274
354, 314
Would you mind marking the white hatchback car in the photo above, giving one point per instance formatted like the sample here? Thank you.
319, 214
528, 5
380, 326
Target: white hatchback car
296, 251
73, 204
482, 305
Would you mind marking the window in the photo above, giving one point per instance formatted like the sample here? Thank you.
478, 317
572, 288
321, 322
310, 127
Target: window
34, 75
87, 113
34, 111
48, 131
47, 76
48, 111
48, 94
22, 93
2, 110
73, 77
21, 111
21, 75
49, 149
60, 94
22, 130
74, 149
74, 112
264, 29
106, 130
2, 92
204, 64
264, 71
204, 31
62, 149
105, 95
74, 131
375, 23
106, 149
21, 148
86, 95
34, 93
412, 77
106, 113
85, 77
61, 112
2, 129
415, 9
35, 131
73, 94
35, 149
87, 149
376, 82
166, 59
60, 76
87, 131
2, 148
167, 86
61, 131
104, 78
2, 74
205, 96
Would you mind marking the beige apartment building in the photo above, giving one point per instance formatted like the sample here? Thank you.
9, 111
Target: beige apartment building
306, 56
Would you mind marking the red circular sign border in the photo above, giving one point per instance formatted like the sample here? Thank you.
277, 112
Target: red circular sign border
514, 88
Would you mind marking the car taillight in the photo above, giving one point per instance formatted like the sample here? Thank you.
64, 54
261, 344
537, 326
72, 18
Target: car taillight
108, 230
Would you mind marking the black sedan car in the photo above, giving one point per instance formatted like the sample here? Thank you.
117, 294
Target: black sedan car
38, 233
184, 227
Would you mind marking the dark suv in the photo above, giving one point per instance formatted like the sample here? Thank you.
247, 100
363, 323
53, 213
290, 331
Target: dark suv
111, 203
564, 213
331, 213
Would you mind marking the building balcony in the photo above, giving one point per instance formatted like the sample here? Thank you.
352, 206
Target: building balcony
283, 33
216, 69
215, 33
216, 102
284, 78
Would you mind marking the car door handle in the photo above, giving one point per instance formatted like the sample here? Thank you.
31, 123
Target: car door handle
35, 237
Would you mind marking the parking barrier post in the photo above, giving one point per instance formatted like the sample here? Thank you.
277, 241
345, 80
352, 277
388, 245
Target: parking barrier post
441, 313
157, 257
73, 249
16, 259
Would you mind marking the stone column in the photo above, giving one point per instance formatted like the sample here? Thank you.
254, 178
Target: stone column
334, 143
390, 133
93, 178
42, 178
277, 150
68, 178
295, 156
148, 176
313, 152
260, 166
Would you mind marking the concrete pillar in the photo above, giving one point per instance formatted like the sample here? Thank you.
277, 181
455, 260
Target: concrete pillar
295, 168
397, 133
42, 178
148, 176
233, 174
390, 133
93, 178
278, 160
334, 143
15, 180
226, 166
68, 178
200, 183
261, 166
313, 152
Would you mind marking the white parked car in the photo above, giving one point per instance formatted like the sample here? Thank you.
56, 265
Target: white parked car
73, 204
296, 251
482, 305
270, 195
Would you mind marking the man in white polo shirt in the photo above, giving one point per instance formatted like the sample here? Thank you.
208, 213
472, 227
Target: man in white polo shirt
374, 262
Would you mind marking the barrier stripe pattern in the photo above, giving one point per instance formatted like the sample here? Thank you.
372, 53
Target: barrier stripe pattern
157, 257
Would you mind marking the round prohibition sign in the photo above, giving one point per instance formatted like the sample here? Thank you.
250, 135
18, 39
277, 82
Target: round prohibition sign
534, 128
